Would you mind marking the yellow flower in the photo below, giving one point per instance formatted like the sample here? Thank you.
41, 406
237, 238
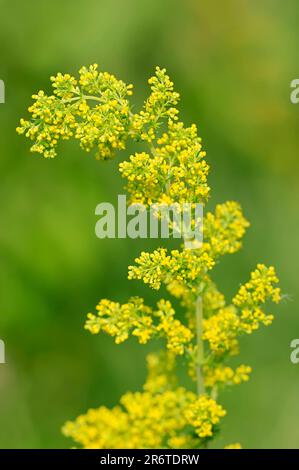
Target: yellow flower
236, 445
169, 169
143, 420
142, 321
224, 229
94, 109
204, 414
224, 375
186, 266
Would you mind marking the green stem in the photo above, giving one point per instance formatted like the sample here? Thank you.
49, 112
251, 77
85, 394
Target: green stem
93, 98
82, 97
200, 350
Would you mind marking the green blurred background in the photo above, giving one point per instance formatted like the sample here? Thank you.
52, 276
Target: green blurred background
233, 63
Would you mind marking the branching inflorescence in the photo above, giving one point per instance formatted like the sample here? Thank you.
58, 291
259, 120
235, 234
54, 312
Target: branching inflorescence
170, 169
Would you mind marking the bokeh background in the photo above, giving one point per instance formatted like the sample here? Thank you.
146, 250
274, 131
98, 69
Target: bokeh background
233, 63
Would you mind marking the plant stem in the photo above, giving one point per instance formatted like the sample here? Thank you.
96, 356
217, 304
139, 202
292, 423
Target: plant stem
200, 350
82, 97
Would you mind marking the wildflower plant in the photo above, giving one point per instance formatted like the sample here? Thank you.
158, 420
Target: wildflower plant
170, 168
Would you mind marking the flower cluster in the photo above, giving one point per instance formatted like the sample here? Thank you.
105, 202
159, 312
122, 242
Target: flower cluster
160, 105
255, 293
119, 320
204, 414
245, 315
236, 445
164, 417
224, 375
225, 228
142, 421
94, 109
172, 170
161, 372
178, 336
186, 266
141, 321
221, 330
